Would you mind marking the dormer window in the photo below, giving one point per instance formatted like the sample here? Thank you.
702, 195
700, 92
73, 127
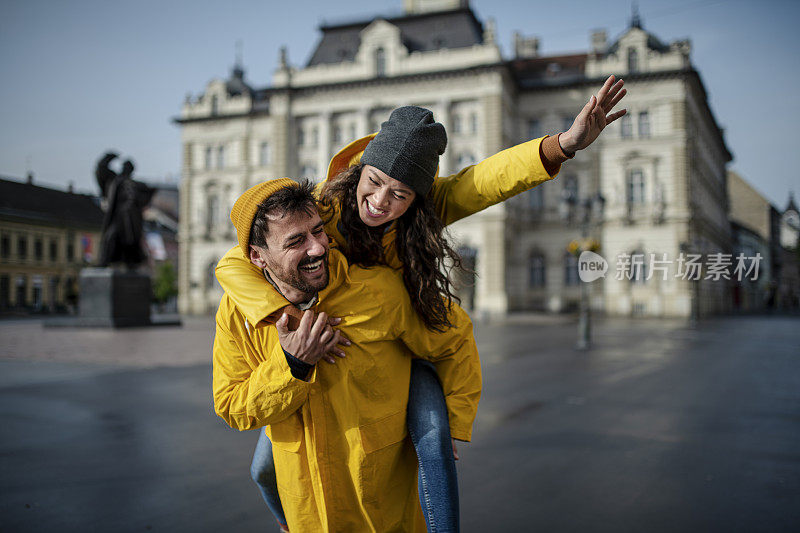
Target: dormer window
214, 105
380, 62
633, 60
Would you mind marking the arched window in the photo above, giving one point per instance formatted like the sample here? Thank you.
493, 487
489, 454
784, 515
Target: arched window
380, 62
536, 270
633, 60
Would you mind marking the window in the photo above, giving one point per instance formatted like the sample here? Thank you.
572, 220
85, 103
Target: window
301, 136
263, 154
53, 250
352, 131
5, 246
212, 208
221, 157
473, 123
21, 283
644, 124
214, 105
633, 60
5, 291
638, 267
457, 124
309, 172
380, 62
22, 248
38, 249
534, 129
208, 158
337, 134
635, 187
536, 270
465, 159
70, 247
626, 127
570, 269
536, 199
314, 136
570, 187
211, 278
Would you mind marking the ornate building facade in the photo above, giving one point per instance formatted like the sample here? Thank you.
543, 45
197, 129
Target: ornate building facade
661, 169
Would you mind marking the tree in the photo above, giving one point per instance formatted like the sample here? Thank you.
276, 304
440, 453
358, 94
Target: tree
164, 284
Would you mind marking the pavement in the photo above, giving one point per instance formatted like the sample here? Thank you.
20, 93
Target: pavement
658, 428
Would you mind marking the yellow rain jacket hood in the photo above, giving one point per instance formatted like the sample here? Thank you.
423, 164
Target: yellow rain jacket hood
343, 461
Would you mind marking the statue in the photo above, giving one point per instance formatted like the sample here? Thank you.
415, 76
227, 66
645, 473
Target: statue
125, 199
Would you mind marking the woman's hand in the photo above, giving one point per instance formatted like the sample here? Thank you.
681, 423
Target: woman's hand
594, 117
455, 450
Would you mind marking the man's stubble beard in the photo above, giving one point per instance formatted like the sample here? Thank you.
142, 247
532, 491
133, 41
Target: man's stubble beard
295, 279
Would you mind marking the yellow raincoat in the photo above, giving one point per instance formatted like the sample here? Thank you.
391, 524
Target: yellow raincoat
343, 461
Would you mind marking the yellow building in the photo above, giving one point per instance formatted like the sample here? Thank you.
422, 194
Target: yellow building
46, 237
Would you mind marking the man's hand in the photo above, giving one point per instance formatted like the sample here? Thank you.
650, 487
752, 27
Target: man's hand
313, 338
594, 117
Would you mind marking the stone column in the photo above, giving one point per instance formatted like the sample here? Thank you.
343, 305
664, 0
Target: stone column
185, 230
324, 144
280, 107
442, 114
491, 288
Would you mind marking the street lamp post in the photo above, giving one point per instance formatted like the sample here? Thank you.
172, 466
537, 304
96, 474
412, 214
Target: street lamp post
586, 211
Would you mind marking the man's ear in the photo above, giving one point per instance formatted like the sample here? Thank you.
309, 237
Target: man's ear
257, 257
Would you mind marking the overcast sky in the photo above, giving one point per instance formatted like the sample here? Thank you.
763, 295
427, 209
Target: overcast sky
80, 77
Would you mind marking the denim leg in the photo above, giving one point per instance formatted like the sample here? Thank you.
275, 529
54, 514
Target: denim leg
262, 470
429, 428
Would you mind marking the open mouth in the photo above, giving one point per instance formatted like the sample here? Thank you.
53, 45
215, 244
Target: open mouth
313, 266
374, 211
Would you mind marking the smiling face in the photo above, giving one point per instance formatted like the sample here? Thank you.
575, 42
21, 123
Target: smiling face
380, 198
296, 255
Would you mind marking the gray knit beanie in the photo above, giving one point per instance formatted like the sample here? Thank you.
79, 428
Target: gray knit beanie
408, 147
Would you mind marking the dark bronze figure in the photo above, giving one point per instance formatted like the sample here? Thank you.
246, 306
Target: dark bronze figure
122, 224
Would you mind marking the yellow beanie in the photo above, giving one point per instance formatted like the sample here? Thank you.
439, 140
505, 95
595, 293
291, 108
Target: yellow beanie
246, 206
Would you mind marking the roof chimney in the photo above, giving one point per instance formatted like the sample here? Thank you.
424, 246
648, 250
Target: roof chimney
30, 178
599, 42
525, 47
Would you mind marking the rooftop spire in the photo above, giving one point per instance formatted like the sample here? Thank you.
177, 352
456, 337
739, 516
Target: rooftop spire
636, 20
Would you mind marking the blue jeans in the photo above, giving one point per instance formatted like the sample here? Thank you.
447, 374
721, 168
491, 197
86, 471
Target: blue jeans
429, 428
262, 470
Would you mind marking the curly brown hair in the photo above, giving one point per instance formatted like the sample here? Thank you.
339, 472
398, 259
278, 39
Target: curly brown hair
421, 243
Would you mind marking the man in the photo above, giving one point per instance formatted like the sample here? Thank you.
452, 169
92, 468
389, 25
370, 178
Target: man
343, 462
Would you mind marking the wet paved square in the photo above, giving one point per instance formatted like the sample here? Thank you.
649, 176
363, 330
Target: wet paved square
658, 428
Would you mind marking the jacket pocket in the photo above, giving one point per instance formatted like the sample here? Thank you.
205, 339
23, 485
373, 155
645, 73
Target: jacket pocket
287, 434
384, 432
382, 442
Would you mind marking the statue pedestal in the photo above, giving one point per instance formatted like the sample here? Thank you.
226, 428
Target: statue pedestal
113, 299
110, 298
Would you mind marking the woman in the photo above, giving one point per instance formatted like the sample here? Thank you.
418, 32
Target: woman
382, 205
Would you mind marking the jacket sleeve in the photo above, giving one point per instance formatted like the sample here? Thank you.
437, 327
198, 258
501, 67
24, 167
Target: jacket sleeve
245, 284
455, 356
249, 393
493, 180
